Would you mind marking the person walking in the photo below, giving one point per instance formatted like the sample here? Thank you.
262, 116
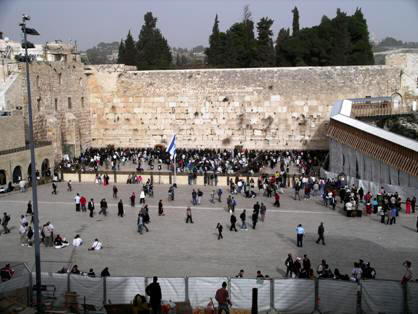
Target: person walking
254, 218
153, 290
142, 197
90, 207
220, 228
321, 231
263, 210
132, 198
103, 207
189, 215
115, 191
277, 199
194, 197
140, 222
160, 208
120, 208
199, 196
417, 224
83, 202
289, 265
5, 222
219, 195
243, 218
69, 186
54, 188
299, 235
222, 296
77, 199
233, 221
413, 203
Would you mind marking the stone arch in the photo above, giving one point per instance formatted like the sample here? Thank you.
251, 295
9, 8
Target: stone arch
3, 177
397, 100
17, 174
45, 167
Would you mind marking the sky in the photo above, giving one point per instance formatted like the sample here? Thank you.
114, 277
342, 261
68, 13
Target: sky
188, 23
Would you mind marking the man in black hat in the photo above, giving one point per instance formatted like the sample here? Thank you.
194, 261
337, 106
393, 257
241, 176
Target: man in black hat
154, 291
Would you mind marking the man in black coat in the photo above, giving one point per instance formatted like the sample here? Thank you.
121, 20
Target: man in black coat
233, 222
321, 231
154, 291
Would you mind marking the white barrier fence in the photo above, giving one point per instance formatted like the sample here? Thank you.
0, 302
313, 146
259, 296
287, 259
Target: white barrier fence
282, 295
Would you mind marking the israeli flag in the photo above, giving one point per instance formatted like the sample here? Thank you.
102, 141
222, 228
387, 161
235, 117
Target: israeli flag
171, 149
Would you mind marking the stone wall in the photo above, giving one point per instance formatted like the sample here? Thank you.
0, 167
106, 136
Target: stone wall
263, 108
12, 133
60, 106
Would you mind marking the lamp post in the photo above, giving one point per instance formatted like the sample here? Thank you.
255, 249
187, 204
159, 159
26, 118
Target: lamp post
30, 31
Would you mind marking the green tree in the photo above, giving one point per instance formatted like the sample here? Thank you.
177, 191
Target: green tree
215, 50
264, 48
121, 53
295, 23
281, 54
130, 54
153, 50
361, 49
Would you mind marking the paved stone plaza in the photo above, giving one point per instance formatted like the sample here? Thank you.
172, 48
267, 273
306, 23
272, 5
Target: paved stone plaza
174, 248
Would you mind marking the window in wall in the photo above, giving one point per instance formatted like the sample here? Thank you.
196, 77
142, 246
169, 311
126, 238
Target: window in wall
82, 102
56, 104
38, 103
59, 78
69, 103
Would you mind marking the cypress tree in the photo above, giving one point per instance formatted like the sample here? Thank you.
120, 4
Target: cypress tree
265, 49
121, 53
153, 50
295, 23
281, 41
361, 49
130, 54
214, 52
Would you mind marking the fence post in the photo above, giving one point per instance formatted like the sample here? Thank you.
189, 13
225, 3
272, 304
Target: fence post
186, 289
405, 298
68, 282
316, 307
254, 301
104, 290
359, 294
272, 294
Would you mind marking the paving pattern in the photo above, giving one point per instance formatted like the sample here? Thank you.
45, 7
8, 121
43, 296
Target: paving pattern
173, 248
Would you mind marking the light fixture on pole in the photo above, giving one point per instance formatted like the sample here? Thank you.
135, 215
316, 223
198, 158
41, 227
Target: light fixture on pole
30, 31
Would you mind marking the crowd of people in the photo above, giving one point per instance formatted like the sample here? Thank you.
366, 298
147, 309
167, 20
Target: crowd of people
302, 268
215, 161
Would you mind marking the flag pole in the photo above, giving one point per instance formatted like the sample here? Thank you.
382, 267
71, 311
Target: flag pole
174, 160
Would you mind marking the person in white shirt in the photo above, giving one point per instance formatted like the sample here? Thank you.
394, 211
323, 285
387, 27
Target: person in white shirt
77, 241
97, 245
77, 202
23, 229
23, 220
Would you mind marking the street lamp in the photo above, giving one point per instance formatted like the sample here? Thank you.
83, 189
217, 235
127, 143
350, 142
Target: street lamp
31, 31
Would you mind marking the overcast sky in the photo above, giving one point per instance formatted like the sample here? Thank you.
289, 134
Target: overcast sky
188, 23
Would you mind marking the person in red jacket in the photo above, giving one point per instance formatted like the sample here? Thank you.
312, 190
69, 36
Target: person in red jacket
83, 202
277, 199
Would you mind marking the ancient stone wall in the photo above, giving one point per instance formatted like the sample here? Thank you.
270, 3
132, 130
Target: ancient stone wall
263, 108
59, 94
12, 133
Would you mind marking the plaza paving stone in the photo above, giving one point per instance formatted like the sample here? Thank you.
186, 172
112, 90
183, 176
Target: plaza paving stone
173, 248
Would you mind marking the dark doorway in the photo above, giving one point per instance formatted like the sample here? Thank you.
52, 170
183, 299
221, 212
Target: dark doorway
17, 174
45, 168
2, 177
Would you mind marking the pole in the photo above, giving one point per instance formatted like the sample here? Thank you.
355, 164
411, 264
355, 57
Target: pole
34, 182
175, 170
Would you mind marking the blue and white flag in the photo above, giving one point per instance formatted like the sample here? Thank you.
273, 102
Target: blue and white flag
171, 149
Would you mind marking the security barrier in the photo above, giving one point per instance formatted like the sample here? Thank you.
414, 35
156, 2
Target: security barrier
282, 295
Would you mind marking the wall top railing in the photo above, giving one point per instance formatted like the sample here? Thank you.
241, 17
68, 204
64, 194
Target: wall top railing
38, 144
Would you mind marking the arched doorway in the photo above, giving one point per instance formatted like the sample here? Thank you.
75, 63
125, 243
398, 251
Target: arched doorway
17, 174
3, 177
45, 168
